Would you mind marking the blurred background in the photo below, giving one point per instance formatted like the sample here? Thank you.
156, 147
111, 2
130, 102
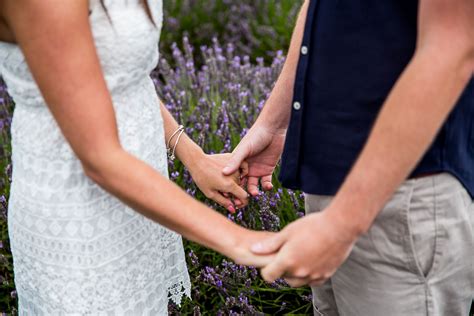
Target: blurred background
220, 59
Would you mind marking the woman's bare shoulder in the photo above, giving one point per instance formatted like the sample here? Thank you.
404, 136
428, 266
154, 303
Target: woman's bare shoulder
29, 10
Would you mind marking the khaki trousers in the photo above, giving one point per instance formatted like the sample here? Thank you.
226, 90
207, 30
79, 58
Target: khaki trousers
416, 259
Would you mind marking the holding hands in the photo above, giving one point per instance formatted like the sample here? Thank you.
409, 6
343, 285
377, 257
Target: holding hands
223, 189
261, 148
307, 251
206, 170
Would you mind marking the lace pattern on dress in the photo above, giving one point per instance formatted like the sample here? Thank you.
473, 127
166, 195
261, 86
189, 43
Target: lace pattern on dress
77, 249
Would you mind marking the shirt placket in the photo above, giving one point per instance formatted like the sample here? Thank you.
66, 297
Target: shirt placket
299, 102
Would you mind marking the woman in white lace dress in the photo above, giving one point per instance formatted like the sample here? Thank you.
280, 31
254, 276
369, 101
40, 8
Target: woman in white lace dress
90, 167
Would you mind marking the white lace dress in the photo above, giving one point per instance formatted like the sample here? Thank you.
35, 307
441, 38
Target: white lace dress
77, 249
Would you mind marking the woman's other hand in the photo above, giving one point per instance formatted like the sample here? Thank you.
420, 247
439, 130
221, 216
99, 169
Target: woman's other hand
206, 172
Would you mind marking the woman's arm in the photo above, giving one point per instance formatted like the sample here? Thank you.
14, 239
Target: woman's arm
206, 170
57, 42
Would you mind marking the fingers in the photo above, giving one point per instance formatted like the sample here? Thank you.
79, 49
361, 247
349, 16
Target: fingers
238, 203
243, 182
297, 282
252, 186
269, 245
317, 282
278, 267
273, 270
260, 261
223, 201
266, 182
240, 194
244, 169
253, 182
238, 156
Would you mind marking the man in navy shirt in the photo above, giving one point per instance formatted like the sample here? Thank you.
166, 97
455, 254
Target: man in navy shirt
374, 109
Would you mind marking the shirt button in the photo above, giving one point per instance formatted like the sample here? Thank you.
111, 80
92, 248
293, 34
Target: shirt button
296, 106
304, 50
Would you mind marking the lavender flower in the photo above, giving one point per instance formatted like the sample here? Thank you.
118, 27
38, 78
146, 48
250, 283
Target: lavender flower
218, 102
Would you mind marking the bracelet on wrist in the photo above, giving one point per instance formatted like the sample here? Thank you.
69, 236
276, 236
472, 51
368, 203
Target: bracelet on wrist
172, 156
171, 151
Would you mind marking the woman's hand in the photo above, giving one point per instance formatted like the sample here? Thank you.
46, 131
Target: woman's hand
240, 251
206, 172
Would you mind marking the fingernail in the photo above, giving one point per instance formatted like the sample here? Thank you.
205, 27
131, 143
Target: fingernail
231, 209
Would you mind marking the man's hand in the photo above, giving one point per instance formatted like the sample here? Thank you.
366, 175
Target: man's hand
309, 250
261, 148
263, 144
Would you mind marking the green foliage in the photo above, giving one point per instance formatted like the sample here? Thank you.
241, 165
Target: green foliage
7, 286
258, 28
218, 103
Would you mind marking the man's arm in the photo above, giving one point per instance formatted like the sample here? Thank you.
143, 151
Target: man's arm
409, 120
277, 109
263, 144
415, 110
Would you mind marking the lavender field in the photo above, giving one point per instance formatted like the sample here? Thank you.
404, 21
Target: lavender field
214, 82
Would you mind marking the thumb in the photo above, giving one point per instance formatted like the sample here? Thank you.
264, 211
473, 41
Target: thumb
269, 245
239, 155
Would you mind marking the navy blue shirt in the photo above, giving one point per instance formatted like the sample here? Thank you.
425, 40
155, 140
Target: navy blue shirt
353, 52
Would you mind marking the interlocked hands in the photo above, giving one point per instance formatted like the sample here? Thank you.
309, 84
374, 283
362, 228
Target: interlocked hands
307, 251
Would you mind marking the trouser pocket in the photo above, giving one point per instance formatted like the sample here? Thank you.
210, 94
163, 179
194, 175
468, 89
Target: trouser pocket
421, 219
435, 216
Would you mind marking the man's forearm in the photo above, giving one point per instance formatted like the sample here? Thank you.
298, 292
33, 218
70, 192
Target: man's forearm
407, 124
277, 110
